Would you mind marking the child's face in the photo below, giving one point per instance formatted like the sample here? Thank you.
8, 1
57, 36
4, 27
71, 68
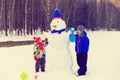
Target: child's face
43, 41
78, 32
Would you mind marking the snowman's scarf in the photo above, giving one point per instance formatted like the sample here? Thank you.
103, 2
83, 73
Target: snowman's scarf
58, 31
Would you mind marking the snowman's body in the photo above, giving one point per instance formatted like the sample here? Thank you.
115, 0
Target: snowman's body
59, 47
59, 56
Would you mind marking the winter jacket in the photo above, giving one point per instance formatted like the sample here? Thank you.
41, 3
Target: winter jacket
82, 43
39, 51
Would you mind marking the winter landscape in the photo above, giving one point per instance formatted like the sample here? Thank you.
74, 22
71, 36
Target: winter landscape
21, 20
103, 61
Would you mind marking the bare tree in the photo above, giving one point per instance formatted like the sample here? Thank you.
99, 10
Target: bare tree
1, 15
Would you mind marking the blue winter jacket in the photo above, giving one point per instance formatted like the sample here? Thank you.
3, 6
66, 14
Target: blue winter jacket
82, 43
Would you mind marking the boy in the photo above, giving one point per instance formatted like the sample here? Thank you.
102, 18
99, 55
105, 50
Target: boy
81, 48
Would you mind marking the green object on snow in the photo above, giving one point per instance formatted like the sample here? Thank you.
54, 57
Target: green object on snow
24, 76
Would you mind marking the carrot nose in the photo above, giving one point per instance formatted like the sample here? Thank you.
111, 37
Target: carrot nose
54, 26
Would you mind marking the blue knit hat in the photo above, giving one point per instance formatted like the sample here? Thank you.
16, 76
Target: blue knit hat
57, 13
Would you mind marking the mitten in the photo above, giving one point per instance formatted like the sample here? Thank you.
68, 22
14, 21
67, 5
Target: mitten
46, 39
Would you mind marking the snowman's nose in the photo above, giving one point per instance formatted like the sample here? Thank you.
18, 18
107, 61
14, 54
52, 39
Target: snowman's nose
54, 26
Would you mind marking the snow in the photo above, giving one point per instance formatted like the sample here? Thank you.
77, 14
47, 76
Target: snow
103, 59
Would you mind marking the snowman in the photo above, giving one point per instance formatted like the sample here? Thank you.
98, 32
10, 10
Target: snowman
59, 56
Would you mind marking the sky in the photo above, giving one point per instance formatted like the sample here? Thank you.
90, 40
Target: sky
103, 59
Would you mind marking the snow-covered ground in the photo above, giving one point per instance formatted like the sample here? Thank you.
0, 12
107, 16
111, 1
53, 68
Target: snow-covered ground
103, 60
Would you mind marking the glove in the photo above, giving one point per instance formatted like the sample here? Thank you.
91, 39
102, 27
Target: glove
46, 39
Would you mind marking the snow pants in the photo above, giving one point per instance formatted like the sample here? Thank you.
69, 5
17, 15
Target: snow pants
82, 63
40, 64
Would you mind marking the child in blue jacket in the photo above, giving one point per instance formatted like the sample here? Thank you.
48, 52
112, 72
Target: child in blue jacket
81, 48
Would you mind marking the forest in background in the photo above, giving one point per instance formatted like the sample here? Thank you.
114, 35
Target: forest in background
27, 17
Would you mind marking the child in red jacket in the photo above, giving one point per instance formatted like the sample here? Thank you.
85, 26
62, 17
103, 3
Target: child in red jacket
39, 53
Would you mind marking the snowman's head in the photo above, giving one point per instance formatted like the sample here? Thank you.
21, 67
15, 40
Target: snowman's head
57, 24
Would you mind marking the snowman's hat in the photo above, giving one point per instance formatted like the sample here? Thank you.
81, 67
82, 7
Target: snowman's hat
57, 13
